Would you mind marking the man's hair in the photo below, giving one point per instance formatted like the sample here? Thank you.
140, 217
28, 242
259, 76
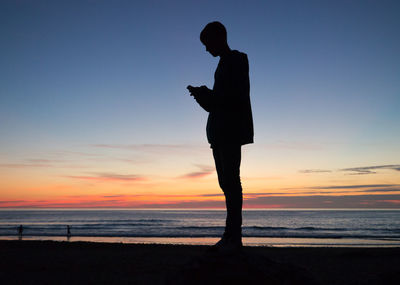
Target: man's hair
213, 30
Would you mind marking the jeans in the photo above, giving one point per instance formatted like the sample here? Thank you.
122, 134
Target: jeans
227, 162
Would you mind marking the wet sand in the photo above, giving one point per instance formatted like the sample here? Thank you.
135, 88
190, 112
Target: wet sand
50, 262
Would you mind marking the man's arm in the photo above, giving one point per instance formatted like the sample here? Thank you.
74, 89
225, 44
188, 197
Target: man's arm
203, 96
230, 93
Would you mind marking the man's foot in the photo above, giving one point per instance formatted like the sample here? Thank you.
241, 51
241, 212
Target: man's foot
227, 245
232, 245
218, 245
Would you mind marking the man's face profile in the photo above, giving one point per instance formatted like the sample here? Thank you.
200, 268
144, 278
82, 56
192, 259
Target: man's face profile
211, 47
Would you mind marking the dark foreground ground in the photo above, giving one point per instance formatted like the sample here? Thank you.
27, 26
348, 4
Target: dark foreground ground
47, 262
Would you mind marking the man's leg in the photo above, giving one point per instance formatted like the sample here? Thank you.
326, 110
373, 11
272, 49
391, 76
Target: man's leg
227, 161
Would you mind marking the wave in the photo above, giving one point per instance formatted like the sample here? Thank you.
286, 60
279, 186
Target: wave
152, 230
295, 224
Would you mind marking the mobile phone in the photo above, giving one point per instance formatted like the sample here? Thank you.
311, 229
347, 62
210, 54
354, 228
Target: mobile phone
191, 89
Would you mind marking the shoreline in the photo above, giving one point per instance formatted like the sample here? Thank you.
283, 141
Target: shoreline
51, 262
247, 241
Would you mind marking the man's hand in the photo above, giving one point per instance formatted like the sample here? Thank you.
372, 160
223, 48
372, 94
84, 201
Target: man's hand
191, 89
202, 95
198, 91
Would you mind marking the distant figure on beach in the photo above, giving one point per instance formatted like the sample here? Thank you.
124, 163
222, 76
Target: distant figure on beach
68, 232
20, 230
229, 125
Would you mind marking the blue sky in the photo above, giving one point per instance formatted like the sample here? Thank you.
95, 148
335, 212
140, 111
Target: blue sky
324, 76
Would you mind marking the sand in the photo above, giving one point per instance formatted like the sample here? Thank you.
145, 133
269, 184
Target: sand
49, 262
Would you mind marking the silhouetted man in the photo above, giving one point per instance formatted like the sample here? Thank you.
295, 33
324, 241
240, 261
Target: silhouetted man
229, 125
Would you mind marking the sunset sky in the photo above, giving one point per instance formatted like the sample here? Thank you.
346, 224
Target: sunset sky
94, 110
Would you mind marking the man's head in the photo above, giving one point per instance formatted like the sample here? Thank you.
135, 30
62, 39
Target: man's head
213, 36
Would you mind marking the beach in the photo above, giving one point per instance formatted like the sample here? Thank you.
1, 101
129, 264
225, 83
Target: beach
52, 262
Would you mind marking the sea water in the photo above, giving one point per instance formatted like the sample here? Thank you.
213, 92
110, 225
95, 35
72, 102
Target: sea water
260, 227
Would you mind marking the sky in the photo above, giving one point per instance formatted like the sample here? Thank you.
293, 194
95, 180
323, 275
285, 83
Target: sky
94, 110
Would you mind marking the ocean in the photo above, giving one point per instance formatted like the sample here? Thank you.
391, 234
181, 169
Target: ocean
260, 227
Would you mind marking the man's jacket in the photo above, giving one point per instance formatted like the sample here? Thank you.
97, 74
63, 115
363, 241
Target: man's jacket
230, 119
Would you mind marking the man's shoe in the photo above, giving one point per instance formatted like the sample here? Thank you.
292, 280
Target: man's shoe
216, 247
231, 246
227, 245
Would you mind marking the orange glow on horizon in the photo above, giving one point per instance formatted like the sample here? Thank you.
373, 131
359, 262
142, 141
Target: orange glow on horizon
53, 188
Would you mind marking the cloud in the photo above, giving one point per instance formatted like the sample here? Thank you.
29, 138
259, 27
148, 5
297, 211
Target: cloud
148, 200
346, 189
111, 177
139, 146
41, 163
325, 201
152, 148
314, 171
310, 202
253, 200
24, 165
11, 201
188, 205
76, 153
381, 190
354, 186
212, 195
40, 160
31, 163
396, 202
295, 145
259, 194
370, 169
356, 170
205, 170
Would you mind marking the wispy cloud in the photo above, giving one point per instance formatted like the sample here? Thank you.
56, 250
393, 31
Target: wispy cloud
32, 163
325, 201
356, 170
24, 165
295, 145
110, 177
113, 196
152, 148
322, 190
326, 192
310, 202
314, 171
148, 200
139, 146
253, 200
11, 201
204, 171
354, 186
370, 169
332, 190
75, 153
43, 163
